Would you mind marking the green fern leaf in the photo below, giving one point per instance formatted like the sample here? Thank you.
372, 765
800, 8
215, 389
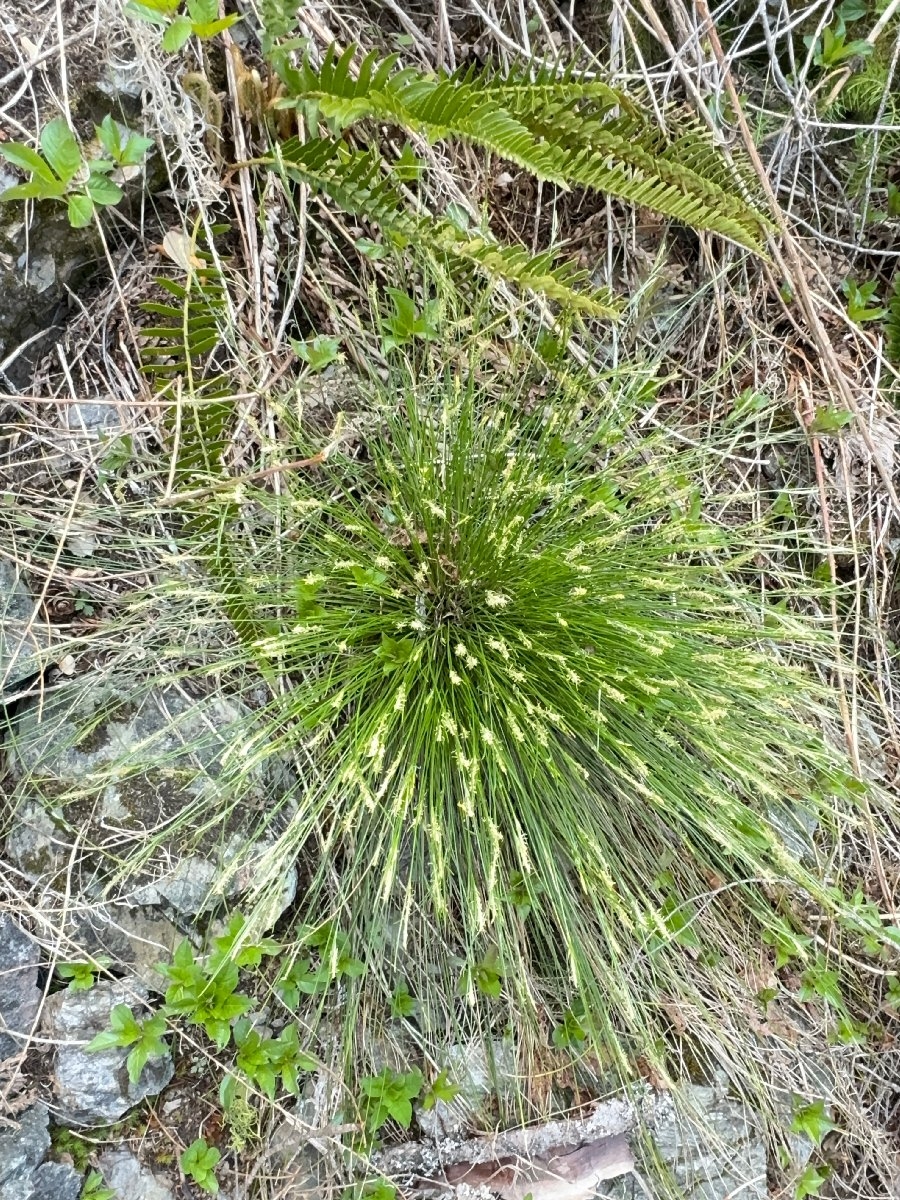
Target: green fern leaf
561, 282
183, 348
562, 129
892, 324
356, 181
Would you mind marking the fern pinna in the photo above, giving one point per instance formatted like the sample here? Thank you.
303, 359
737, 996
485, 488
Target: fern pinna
355, 180
180, 356
563, 128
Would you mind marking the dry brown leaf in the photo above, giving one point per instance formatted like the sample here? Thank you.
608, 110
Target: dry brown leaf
177, 246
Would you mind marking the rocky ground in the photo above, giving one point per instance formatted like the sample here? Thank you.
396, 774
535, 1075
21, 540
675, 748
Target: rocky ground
72, 401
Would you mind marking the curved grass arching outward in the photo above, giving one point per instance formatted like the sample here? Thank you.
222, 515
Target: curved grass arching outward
527, 700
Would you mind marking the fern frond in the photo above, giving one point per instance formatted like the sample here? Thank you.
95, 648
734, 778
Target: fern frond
182, 346
561, 129
543, 87
355, 180
892, 324
562, 282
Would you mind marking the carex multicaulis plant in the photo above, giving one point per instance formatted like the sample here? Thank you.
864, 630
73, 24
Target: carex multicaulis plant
540, 718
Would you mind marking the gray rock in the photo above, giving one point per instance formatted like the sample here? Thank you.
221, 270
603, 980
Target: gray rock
713, 1149
479, 1072
91, 419
94, 1088
38, 260
302, 1167
134, 777
25, 636
133, 938
37, 843
730, 1157
56, 1181
22, 1149
123, 1173
20, 996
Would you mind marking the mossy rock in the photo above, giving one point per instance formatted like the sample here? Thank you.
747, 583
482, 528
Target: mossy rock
135, 795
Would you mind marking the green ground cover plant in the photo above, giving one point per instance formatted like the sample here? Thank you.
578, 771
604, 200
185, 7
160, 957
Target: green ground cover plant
61, 171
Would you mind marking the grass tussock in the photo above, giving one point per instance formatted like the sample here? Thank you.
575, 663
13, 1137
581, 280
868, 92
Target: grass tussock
550, 738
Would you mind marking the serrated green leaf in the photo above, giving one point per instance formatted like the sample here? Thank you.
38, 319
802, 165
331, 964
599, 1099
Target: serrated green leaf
177, 34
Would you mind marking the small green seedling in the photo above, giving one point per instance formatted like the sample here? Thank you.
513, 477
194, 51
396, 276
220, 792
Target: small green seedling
819, 982
95, 1189
81, 975
812, 1120
62, 172
405, 323
830, 420
204, 993
201, 19
83, 604
145, 1038
389, 1096
833, 48
810, 1182
381, 1190
199, 1163
679, 918
787, 945
486, 976
125, 154
396, 653
118, 452
572, 1031
402, 1003
233, 946
866, 921
848, 1032
440, 1089
524, 890
331, 962
862, 301
265, 1061
317, 352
